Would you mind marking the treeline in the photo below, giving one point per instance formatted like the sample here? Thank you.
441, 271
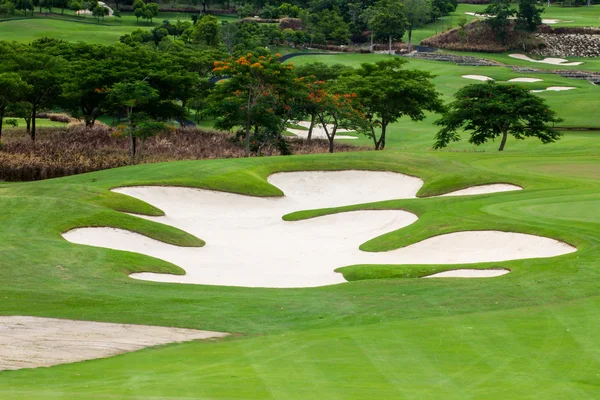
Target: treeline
258, 97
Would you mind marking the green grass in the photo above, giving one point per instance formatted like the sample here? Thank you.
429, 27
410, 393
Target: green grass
79, 29
531, 334
577, 107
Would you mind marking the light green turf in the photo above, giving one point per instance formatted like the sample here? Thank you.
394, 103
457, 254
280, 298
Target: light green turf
530, 334
80, 29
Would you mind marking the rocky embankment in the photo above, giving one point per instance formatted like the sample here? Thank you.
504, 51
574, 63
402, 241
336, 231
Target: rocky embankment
569, 45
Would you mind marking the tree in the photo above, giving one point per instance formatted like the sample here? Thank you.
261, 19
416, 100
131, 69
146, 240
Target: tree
151, 11
491, 110
250, 97
44, 74
206, 30
334, 110
417, 12
529, 15
99, 12
12, 90
319, 71
440, 8
501, 12
24, 5
387, 92
131, 95
388, 20
142, 127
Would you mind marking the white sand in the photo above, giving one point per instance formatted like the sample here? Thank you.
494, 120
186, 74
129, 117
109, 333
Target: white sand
319, 132
525, 80
483, 189
248, 244
554, 89
553, 21
478, 77
549, 60
560, 88
544, 21
29, 342
469, 273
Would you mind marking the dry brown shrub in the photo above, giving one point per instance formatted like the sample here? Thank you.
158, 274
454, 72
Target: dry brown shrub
481, 38
67, 151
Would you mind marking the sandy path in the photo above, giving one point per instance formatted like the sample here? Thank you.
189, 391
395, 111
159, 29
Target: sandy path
248, 244
29, 342
319, 131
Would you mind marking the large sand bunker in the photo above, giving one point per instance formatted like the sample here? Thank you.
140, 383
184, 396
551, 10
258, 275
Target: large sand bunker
29, 342
248, 243
548, 60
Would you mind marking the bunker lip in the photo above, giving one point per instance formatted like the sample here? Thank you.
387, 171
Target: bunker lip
31, 342
232, 224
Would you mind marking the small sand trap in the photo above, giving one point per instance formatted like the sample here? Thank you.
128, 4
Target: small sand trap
30, 342
525, 80
478, 77
554, 21
554, 89
318, 131
301, 253
484, 189
549, 60
469, 273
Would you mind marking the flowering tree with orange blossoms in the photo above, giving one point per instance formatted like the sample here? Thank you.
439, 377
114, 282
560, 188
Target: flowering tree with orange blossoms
336, 110
258, 96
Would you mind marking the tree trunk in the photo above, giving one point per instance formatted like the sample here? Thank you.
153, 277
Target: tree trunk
371, 46
390, 44
380, 144
410, 28
28, 125
132, 149
310, 128
33, 117
1, 121
503, 142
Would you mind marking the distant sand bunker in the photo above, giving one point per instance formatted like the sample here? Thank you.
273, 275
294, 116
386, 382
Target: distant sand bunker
478, 77
525, 80
248, 243
549, 60
30, 342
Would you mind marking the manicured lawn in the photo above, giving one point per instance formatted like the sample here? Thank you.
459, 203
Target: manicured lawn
86, 29
578, 107
529, 334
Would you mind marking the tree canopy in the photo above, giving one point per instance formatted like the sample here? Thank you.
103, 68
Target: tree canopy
388, 92
492, 110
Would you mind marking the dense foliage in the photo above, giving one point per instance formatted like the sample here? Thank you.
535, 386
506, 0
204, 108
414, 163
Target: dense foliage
490, 111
